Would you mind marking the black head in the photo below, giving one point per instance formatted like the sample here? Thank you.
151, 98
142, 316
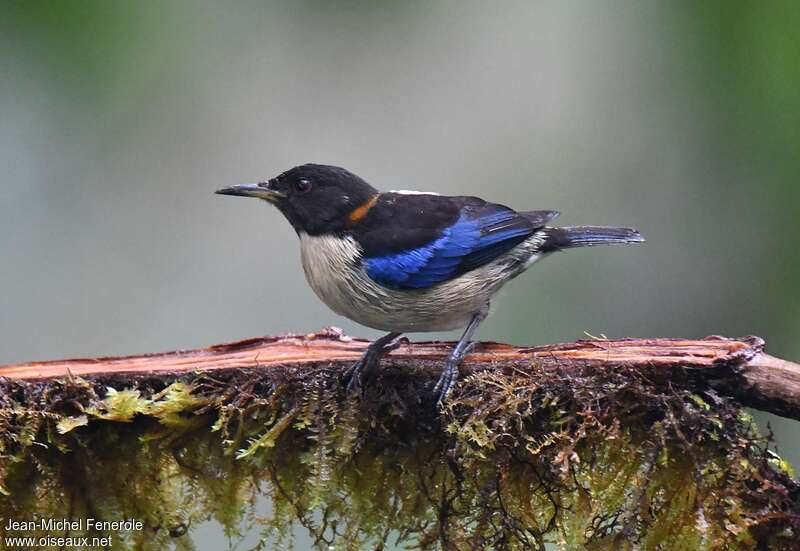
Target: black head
316, 199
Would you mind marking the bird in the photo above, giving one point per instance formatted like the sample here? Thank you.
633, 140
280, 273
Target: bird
410, 261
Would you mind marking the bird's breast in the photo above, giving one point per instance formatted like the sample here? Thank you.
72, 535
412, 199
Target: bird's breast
333, 268
334, 271
331, 265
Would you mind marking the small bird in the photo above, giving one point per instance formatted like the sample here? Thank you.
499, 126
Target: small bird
408, 261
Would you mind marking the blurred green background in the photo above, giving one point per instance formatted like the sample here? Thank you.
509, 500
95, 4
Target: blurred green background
118, 120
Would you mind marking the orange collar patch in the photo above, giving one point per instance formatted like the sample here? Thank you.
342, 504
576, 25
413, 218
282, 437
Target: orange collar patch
360, 212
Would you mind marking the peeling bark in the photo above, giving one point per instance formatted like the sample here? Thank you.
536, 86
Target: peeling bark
737, 368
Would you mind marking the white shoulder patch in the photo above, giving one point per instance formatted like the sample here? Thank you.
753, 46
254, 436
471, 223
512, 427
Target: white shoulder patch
411, 192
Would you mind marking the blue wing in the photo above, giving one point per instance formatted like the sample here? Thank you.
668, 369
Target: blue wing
481, 234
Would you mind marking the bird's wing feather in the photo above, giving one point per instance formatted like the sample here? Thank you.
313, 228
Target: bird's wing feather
482, 232
540, 217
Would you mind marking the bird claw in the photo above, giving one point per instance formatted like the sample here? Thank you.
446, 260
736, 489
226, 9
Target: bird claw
446, 382
355, 374
397, 343
449, 375
360, 371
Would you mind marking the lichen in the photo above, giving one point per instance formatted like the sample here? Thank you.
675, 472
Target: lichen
518, 458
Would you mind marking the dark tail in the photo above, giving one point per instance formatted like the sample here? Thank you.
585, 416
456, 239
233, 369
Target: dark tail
588, 236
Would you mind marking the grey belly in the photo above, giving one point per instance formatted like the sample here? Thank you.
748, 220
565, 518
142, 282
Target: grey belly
347, 290
440, 309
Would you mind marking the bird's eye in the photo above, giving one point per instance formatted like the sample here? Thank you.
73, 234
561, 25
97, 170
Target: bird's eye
302, 185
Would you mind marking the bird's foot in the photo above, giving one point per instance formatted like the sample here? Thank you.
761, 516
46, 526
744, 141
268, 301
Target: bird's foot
449, 375
359, 373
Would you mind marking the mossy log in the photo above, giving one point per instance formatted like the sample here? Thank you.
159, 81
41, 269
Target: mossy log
738, 368
625, 444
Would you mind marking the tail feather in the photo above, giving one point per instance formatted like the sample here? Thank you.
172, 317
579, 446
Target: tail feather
568, 237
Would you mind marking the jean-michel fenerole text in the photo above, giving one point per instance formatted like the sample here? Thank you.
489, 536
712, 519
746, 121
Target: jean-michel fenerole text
79, 525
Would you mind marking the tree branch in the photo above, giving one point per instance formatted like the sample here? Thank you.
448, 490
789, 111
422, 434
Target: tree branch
594, 443
738, 368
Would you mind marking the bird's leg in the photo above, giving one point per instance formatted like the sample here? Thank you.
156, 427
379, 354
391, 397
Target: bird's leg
450, 371
368, 363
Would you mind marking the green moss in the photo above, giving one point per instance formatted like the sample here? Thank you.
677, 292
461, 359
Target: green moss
601, 460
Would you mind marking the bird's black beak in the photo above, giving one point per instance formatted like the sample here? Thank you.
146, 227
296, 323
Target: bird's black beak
261, 190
